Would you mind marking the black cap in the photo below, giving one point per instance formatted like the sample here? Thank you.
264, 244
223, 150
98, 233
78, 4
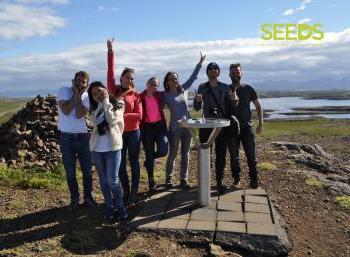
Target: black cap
213, 65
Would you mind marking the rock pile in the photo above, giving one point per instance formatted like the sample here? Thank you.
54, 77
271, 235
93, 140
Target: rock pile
30, 139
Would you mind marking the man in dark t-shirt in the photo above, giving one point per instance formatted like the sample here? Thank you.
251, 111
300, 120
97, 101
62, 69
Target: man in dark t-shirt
246, 94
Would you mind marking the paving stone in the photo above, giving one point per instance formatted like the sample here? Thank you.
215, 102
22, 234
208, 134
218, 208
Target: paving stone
257, 217
230, 216
172, 224
186, 195
255, 207
212, 204
182, 204
145, 212
163, 195
178, 214
261, 229
201, 225
232, 227
256, 199
203, 214
258, 191
150, 222
232, 197
156, 203
229, 206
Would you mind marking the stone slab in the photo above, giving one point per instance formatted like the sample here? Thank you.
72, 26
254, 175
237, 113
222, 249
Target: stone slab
229, 206
231, 227
254, 207
230, 216
177, 214
257, 217
201, 225
256, 199
261, 229
182, 204
232, 197
186, 195
172, 224
151, 211
258, 191
156, 204
162, 195
204, 214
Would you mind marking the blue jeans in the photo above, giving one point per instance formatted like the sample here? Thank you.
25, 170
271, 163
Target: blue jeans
131, 144
107, 164
154, 134
176, 135
73, 146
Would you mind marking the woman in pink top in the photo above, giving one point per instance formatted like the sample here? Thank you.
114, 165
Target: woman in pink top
153, 128
132, 118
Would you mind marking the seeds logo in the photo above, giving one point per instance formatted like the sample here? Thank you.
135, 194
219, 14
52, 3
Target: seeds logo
291, 32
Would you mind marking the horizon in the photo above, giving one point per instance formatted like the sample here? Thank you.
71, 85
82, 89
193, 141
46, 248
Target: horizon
44, 42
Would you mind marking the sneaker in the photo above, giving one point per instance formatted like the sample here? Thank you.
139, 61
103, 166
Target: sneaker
74, 203
89, 201
109, 215
221, 189
254, 184
185, 185
151, 186
132, 199
169, 183
121, 214
237, 183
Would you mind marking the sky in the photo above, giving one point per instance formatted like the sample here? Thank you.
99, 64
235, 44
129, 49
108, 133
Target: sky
44, 42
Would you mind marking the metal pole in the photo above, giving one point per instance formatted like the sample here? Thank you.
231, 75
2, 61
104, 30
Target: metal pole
204, 175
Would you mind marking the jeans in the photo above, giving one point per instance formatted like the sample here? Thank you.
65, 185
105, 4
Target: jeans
176, 135
154, 134
220, 151
247, 137
131, 144
73, 146
107, 164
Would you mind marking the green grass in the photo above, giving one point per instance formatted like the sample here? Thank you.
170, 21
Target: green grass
324, 127
9, 108
343, 201
25, 178
266, 166
312, 181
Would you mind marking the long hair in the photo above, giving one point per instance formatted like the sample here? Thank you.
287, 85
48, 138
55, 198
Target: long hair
166, 79
124, 72
93, 104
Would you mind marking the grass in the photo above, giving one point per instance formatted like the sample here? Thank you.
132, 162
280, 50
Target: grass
312, 181
8, 108
266, 166
25, 178
343, 201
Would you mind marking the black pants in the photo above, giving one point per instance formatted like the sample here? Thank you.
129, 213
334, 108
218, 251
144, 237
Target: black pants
220, 151
247, 137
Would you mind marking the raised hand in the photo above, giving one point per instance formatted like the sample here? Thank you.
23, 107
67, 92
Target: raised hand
110, 44
202, 58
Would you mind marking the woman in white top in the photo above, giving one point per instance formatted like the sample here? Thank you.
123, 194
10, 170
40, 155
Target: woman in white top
106, 114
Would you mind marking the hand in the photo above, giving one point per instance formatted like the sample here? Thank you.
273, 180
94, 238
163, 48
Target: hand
233, 96
259, 128
105, 93
198, 97
110, 44
202, 58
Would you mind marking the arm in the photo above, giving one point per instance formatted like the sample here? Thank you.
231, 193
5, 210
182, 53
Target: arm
136, 114
110, 68
194, 74
67, 106
259, 112
80, 107
113, 117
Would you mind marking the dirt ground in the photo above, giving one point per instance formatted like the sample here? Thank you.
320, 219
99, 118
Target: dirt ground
39, 223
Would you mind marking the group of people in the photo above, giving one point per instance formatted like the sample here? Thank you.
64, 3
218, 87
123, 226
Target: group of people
123, 118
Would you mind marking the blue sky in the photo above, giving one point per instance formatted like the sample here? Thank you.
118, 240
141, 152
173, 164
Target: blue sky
43, 42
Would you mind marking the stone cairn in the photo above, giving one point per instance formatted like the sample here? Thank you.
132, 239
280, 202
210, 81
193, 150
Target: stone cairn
30, 139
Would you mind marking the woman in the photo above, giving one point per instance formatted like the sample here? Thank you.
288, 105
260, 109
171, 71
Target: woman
132, 118
153, 128
105, 146
176, 98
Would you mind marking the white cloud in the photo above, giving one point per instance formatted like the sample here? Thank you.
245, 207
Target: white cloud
103, 8
270, 9
306, 20
288, 12
40, 2
21, 22
300, 8
155, 58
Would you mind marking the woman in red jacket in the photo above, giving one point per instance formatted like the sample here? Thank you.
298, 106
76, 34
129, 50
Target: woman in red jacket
153, 128
132, 118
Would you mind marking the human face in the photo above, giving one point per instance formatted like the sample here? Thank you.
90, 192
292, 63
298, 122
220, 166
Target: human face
213, 72
152, 86
172, 81
98, 94
236, 74
80, 83
127, 80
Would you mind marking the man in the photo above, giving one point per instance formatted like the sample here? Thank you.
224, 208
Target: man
246, 94
73, 104
214, 96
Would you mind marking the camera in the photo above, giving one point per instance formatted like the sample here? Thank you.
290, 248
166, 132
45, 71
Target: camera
213, 111
102, 128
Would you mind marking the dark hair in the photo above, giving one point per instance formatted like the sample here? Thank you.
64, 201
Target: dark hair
235, 65
84, 74
213, 65
93, 103
165, 81
125, 71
